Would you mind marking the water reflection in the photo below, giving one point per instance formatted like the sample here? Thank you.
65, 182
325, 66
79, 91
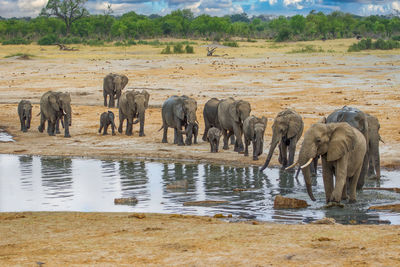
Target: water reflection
64, 184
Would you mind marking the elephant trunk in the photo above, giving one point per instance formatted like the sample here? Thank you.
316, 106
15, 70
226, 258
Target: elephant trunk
189, 134
274, 143
307, 152
28, 115
259, 143
375, 158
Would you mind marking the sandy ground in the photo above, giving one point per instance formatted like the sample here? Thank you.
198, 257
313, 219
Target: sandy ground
265, 74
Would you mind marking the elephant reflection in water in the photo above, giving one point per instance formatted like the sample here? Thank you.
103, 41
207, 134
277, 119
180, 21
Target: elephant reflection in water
25, 163
57, 176
133, 175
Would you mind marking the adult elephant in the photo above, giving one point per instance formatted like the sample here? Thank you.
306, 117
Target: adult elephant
357, 119
178, 112
342, 149
374, 166
210, 115
55, 106
286, 131
231, 115
133, 105
113, 84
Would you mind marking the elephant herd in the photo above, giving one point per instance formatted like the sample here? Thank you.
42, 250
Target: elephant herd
347, 141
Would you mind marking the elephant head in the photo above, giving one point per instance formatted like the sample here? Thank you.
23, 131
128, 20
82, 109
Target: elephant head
333, 139
118, 84
185, 110
61, 103
239, 111
373, 146
287, 125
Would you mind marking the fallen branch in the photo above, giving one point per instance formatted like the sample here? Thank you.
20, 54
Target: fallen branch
393, 189
65, 48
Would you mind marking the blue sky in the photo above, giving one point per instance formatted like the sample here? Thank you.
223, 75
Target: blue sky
20, 8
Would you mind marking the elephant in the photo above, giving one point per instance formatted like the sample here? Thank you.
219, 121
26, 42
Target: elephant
253, 131
231, 114
213, 136
210, 115
357, 119
133, 104
286, 131
25, 114
374, 166
178, 111
55, 106
195, 131
342, 149
113, 84
106, 119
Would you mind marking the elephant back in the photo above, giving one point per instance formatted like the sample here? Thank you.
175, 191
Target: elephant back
353, 116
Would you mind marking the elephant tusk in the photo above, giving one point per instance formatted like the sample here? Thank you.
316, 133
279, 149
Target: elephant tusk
291, 166
64, 112
308, 163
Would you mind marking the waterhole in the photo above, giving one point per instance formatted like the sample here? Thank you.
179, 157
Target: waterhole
34, 183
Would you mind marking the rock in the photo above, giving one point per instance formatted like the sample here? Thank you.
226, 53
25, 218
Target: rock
125, 201
325, 221
289, 203
392, 207
204, 203
181, 184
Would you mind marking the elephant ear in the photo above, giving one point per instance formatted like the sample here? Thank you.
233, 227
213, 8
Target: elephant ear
251, 126
53, 102
178, 110
341, 142
295, 126
322, 120
124, 81
234, 111
147, 97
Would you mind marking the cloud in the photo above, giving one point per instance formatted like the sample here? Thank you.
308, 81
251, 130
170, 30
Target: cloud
21, 8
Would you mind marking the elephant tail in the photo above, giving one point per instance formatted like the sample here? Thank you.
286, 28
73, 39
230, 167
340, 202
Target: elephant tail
162, 127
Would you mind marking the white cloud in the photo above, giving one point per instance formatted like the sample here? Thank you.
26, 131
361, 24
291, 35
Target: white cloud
21, 8
396, 5
299, 4
272, 2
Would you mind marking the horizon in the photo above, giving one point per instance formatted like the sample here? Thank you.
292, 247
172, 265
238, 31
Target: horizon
27, 8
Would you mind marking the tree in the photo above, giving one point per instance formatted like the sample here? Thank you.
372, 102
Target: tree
67, 10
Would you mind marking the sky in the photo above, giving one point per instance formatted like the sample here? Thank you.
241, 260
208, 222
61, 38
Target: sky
31, 8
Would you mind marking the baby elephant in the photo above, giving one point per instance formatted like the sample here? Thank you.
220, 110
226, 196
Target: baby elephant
25, 114
195, 132
213, 136
107, 118
253, 129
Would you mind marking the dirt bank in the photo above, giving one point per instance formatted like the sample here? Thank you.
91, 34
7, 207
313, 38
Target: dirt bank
72, 239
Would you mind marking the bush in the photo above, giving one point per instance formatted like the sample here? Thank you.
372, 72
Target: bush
70, 40
178, 48
308, 49
189, 49
48, 39
396, 38
231, 44
16, 41
166, 50
381, 44
94, 42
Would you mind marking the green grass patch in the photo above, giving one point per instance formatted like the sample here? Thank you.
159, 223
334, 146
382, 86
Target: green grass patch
16, 41
178, 49
307, 49
20, 55
368, 44
231, 44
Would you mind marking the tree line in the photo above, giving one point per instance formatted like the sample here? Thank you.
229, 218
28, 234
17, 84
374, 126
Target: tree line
183, 24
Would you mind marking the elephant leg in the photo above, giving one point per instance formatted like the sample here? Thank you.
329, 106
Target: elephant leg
225, 134
165, 132
206, 127
179, 135
42, 123
344, 192
113, 128
255, 152
105, 129
121, 121
105, 98
216, 145
175, 136
212, 146
141, 127
363, 173
111, 103
238, 135
327, 175
246, 147
101, 127
58, 126
283, 154
292, 151
129, 124
233, 139
66, 128
51, 128
340, 179
22, 121
314, 166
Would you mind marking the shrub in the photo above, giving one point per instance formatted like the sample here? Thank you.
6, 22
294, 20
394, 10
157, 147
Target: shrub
178, 48
166, 50
189, 49
366, 44
16, 41
94, 42
48, 39
231, 44
70, 40
396, 38
307, 49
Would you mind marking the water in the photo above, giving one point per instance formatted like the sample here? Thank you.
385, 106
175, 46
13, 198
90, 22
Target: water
33, 183
5, 137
